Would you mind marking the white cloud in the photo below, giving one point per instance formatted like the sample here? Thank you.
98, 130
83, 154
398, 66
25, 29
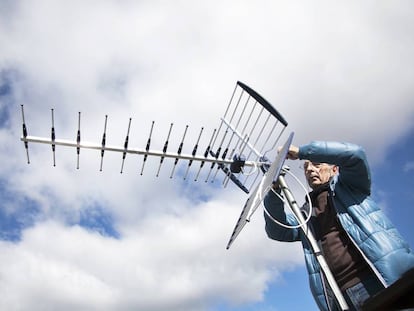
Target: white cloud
174, 261
335, 71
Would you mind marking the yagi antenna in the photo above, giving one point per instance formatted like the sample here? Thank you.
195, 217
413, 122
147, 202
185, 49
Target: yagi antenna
238, 150
249, 129
238, 147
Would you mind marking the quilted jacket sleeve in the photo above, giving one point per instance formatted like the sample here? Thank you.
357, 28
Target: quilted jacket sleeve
275, 207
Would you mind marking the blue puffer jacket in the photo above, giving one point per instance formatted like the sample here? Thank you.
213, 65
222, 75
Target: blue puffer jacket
371, 231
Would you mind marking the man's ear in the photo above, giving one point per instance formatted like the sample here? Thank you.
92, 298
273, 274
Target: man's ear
335, 169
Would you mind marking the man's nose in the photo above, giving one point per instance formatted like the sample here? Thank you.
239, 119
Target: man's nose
310, 167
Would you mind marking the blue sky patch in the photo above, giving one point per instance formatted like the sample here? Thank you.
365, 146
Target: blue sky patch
96, 219
392, 179
14, 218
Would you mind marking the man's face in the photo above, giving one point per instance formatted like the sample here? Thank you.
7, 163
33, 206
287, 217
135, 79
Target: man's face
318, 173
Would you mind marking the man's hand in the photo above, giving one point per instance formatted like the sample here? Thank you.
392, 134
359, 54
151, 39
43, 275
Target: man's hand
293, 153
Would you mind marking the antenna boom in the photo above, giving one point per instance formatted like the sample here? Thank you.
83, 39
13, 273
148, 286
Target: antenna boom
94, 146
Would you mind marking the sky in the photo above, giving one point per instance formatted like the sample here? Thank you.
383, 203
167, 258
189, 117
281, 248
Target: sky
81, 239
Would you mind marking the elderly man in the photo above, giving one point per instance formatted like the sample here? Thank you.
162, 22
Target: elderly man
363, 249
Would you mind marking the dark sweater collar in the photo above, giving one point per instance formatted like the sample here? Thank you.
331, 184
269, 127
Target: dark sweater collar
315, 192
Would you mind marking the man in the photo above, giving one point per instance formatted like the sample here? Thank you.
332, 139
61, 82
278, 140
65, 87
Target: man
363, 249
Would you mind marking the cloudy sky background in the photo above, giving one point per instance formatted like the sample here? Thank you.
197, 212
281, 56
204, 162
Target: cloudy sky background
88, 240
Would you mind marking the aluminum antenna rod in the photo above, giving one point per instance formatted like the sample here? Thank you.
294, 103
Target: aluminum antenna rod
94, 146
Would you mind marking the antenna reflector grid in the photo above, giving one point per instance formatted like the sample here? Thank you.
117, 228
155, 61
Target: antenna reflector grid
251, 127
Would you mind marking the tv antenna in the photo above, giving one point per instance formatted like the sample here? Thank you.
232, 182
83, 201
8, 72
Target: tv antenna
249, 130
240, 149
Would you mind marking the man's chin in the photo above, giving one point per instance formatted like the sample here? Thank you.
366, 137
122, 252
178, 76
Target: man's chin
314, 183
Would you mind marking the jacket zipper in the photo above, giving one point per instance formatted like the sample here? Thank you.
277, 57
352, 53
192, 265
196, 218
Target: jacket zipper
370, 264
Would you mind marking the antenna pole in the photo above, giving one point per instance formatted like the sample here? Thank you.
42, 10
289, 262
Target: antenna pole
312, 241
